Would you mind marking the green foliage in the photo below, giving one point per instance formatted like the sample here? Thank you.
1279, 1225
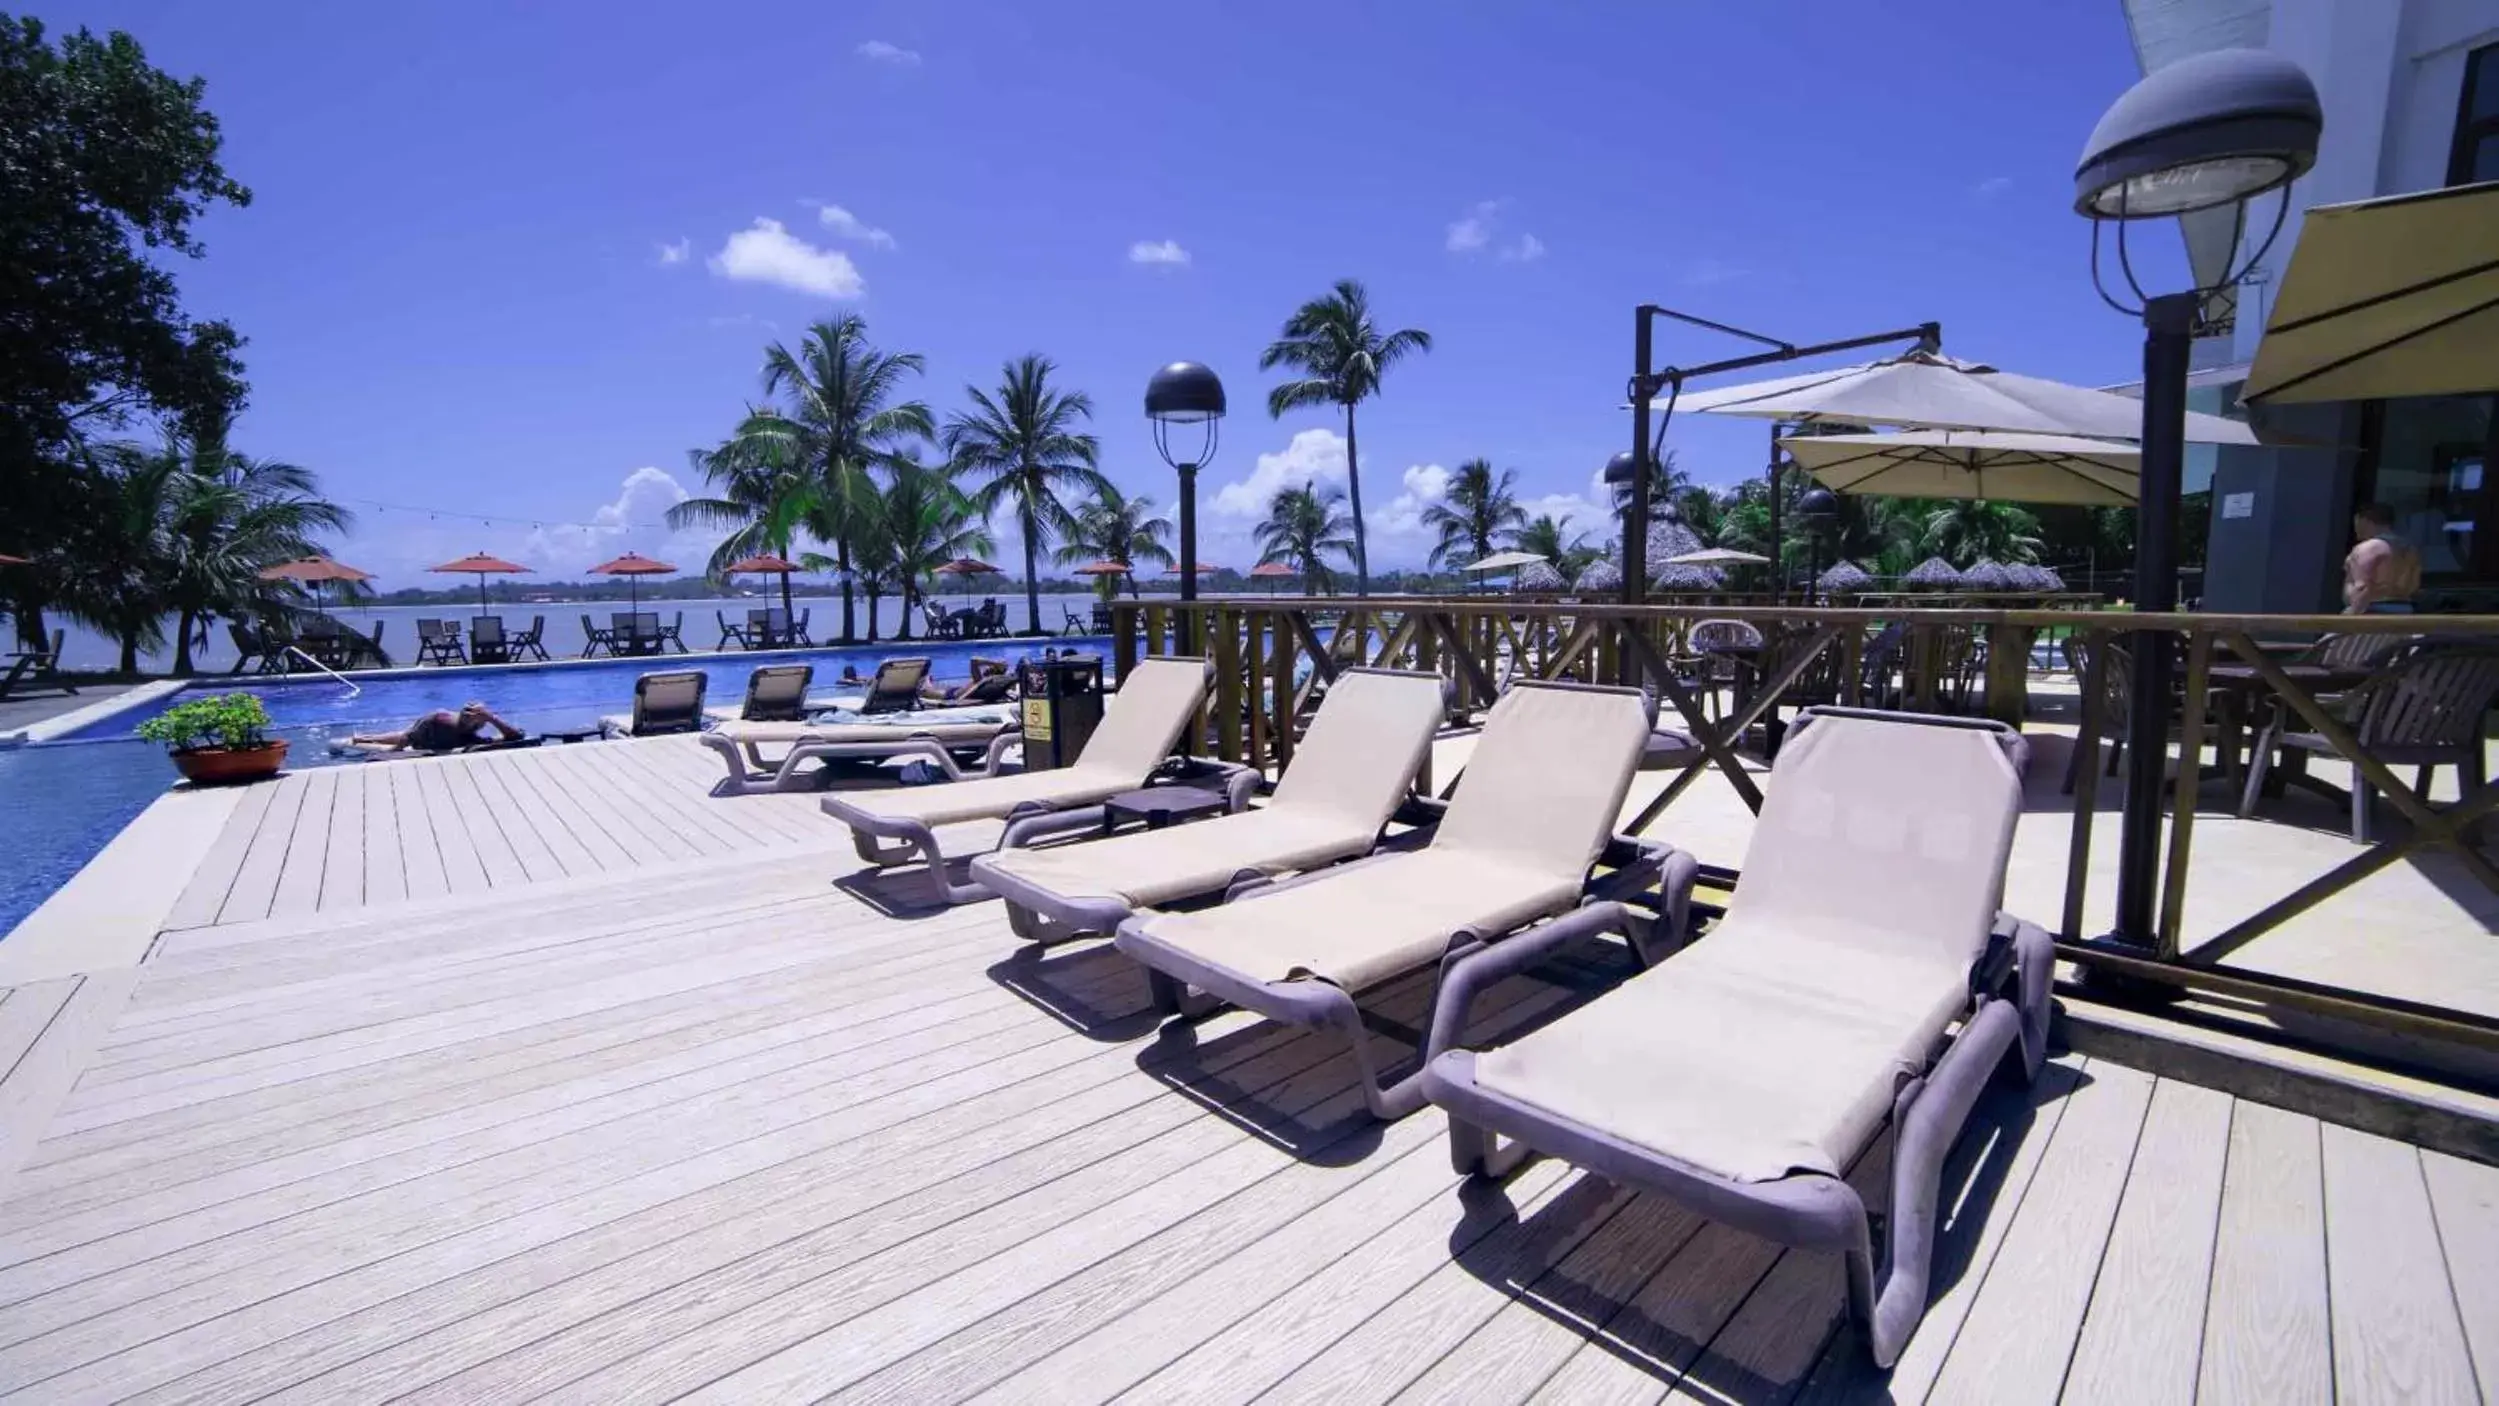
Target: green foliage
1569, 551
1116, 527
923, 520
1341, 355
1302, 529
1478, 506
1970, 530
1024, 442
235, 721
1667, 484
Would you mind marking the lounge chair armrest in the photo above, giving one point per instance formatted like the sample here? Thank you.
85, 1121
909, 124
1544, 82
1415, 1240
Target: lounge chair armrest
1475, 966
1639, 864
2030, 962
1024, 826
999, 745
1421, 812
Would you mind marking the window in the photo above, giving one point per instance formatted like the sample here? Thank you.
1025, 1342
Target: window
2475, 156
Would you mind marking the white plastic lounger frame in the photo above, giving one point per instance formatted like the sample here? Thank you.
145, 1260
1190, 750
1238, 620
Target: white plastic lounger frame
1480, 823
1156, 704
2004, 1006
750, 773
1349, 777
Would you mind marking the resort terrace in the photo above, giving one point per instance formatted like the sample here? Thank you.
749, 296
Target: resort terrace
558, 1072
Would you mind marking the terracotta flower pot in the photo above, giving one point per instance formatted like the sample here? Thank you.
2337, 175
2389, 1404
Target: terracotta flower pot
219, 766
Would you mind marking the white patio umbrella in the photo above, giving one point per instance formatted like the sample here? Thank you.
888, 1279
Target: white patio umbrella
1716, 556
1503, 561
1928, 390
2007, 468
2390, 297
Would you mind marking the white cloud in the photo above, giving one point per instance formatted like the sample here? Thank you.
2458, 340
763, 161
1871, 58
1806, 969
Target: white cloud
1419, 487
1990, 188
1527, 250
850, 226
676, 253
1470, 234
768, 253
1314, 456
894, 55
1165, 251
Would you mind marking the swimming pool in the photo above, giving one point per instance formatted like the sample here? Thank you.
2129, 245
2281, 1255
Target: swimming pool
62, 800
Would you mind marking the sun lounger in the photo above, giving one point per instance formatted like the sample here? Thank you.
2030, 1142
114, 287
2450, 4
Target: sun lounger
1520, 844
666, 703
1744, 1075
937, 735
1155, 702
36, 668
777, 693
896, 686
1348, 776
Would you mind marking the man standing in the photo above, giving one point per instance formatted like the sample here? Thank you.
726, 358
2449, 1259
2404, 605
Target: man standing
2383, 572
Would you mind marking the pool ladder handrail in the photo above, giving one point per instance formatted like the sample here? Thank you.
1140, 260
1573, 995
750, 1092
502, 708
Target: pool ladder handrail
352, 690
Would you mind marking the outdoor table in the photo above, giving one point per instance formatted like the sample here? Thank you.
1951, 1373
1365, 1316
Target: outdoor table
2240, 691
1160, 806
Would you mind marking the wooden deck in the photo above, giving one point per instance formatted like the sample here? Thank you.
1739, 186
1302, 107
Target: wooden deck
592, 1128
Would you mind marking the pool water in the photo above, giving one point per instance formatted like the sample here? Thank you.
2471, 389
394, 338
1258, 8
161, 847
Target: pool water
61, 801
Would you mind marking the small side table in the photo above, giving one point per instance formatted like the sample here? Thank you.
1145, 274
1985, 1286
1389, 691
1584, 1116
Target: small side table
1159, 806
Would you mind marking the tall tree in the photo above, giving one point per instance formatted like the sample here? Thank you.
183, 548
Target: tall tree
1303, 527
925, 521
1116, 527
764, 494
1024, 441
1968, 530
1478, 506
1546, 536
1342, 356
228, 516
840, 422
105, 162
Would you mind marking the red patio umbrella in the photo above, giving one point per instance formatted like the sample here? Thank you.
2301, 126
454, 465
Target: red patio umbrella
481, 566
633, 566
966, 568
1103, 568
1270, 570
317, 572
765, 564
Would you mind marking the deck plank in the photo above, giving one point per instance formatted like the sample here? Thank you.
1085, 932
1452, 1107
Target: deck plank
205, 895
343, 861
2465, 1198
464, 867
385, 858
513, 851
523, 801
308, 850
675, 835
2020, 1334
2143, 1338
610, 836
2396, 1334
420, 856
42, 1074
255, 884
2266, 1330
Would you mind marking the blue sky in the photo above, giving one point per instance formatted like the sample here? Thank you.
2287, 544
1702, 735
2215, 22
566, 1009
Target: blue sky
516, 260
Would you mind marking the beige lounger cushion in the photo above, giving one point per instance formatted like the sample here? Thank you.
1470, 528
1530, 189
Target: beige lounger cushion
1369, 923
1534, 807
776, 734
1776, 1043
1157, 866
1155, 701
1347, 776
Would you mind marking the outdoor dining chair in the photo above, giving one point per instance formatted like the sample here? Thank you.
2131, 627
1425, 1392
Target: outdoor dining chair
487, 644
934, 617
250, 649
798, 629
642, 627
438, 642
2425, 711
595, 639
1076, 624
760, 631
730, 634
530, 643
37, 668
673, 632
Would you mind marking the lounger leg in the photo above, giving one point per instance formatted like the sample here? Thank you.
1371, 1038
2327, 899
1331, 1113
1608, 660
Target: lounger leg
1927, 1119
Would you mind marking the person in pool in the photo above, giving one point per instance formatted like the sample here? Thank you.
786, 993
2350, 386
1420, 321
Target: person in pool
442, 731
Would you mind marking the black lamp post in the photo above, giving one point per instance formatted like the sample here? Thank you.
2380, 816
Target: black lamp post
1817, 511
2206, 132
1185, 393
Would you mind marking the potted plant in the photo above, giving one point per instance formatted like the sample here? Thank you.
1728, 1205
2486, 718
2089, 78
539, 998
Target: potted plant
217, 740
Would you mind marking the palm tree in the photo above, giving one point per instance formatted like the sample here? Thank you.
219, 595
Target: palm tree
1477, 506
1303, 526
1341, 356
927, 521
1024, 441
1548, 538
230, 516
1116, 527
840, 423
765, 494
1969, 530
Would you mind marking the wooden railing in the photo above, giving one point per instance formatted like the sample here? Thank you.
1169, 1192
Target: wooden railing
1273, 656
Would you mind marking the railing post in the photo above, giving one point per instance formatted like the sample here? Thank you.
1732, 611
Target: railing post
1225, 625
1123, 638
2008, 673
2190, 776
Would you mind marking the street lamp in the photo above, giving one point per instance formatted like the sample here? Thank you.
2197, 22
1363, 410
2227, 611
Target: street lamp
1818, 510
2215, 130
1182, 394
1619, 473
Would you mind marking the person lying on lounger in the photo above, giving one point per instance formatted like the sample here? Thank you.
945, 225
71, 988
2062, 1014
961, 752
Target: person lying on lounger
442, 731
971, 690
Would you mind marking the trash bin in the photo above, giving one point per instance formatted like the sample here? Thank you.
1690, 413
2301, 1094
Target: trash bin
1062, 706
